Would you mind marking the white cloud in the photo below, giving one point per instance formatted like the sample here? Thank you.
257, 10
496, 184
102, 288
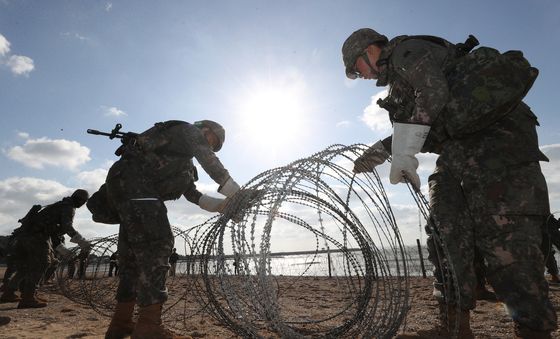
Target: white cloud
20, 65
343, 123
91, 180
23, 135
4, 45
108, 6
374, 116
113, 111
37, 153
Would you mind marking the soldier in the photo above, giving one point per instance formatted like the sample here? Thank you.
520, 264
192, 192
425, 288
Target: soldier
33, 248
487, 191
4, 320
113, 264
156, 166
10, 261
173, 258
551, 236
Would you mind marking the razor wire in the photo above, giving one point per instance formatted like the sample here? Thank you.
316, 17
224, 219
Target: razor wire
231, 260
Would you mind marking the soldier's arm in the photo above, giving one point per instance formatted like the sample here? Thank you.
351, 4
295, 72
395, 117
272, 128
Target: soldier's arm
416, 63
193, 137
192, 194
67, 220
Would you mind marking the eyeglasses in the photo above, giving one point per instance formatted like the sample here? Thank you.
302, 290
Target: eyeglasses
355, 74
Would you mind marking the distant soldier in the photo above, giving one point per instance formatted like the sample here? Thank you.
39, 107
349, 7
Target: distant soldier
4, 320
33, 248
113, 264
10, 260
173, 258
56, 240
156, 166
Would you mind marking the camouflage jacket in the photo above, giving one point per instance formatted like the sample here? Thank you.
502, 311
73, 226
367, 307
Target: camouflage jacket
415, 70
53, 221
163, 155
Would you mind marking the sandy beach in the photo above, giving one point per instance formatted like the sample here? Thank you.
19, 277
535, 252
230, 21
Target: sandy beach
64, 318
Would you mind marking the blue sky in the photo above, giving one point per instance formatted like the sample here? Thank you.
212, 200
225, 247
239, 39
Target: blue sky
270, 72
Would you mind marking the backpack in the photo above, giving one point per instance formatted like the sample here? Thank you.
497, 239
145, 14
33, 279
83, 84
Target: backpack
101, 209
484, 86
29, 221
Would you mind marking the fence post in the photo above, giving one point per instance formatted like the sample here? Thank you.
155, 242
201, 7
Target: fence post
421, 258
329, 260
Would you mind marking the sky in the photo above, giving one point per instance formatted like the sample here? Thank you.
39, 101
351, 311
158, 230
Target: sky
270, 72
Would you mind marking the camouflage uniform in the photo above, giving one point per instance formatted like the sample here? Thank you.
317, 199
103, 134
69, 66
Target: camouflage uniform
33, 251
487, 191
156, 168
551, 236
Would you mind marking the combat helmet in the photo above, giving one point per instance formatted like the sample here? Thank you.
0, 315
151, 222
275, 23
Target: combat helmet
216, 128
79, 197
355, 45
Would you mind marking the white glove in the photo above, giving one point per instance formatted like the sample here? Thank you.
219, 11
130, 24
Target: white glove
372, 157
229, 188
211, 204
408, 140
63, 251
81, 241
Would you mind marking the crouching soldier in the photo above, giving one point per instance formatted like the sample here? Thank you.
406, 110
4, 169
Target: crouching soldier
33, 247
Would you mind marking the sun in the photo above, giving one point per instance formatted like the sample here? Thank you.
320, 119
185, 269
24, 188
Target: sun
274, 114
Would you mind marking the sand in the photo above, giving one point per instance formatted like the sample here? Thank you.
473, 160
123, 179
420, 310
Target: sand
63, 318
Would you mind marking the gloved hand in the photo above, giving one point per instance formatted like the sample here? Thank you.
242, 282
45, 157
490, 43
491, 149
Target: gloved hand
229, 188
211, 204
63, 251
408, 140
372, 157
81, 241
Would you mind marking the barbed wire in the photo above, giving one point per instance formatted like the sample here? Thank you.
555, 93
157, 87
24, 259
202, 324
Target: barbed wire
232, 262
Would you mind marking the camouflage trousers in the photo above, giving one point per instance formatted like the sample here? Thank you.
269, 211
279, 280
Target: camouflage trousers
32, 256
145, 240
499, 214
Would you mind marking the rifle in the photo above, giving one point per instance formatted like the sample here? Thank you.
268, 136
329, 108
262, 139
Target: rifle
127, 138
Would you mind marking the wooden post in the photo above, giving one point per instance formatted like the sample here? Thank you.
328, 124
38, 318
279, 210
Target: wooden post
329, 260
421, 258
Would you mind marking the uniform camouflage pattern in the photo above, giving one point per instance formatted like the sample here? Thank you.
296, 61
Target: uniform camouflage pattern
551, 236
33, 251
157, 168
487, 82
487, 192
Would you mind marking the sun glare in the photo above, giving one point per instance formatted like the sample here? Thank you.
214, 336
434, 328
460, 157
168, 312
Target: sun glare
273, 115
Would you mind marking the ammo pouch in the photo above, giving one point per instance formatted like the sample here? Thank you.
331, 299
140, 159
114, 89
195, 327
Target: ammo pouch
485, 85
101, 209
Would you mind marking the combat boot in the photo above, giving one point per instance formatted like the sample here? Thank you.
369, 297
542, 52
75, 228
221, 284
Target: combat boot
522, 332
9, 296
29, 301
450, 318
149, 325
121, 324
